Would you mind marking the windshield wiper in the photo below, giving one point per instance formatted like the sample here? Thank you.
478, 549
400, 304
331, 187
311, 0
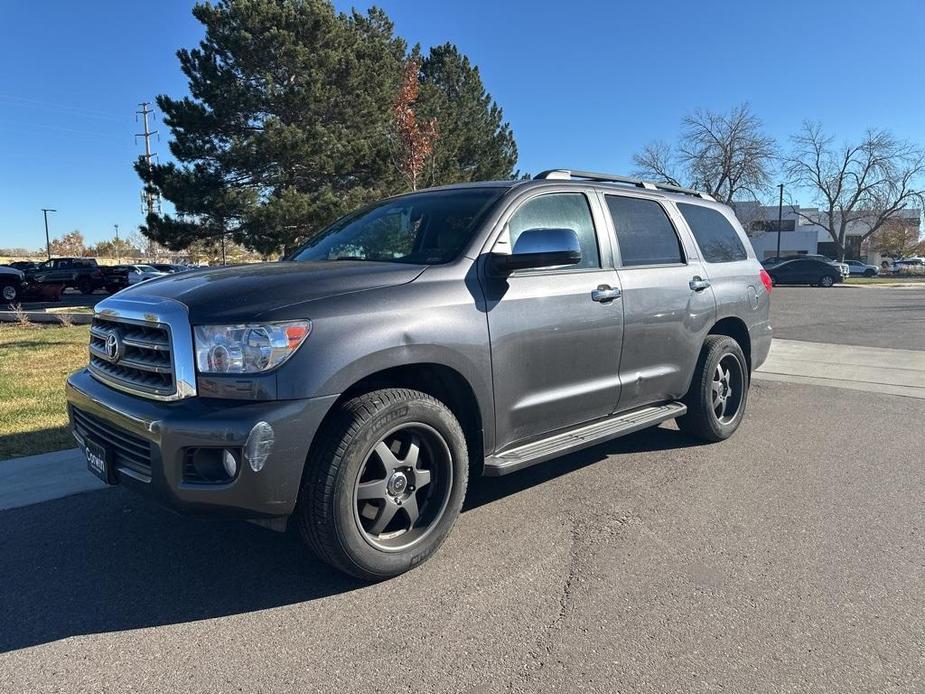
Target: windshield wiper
349, 257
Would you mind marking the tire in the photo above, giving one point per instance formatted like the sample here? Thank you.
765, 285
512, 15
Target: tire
10, 293
702, 420
353, 481
869, 273
85, 285
826, 281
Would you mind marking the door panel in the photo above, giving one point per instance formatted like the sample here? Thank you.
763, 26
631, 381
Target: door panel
555, 348
664, 318
665, 322
555, 352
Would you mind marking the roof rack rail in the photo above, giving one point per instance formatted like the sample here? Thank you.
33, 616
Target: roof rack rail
569, 174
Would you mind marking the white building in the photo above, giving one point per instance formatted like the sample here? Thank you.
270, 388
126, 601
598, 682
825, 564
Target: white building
800, 235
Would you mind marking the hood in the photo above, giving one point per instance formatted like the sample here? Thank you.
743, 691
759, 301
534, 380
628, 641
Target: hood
240, 293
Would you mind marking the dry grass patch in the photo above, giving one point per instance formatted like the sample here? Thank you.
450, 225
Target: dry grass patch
34, 363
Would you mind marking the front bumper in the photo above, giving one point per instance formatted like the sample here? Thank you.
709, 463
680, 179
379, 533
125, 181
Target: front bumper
173, 427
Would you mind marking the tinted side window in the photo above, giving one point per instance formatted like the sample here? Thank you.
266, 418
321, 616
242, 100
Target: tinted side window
718, 240
559, 211
644, 232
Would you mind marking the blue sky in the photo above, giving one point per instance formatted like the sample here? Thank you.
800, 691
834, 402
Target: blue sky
583, 84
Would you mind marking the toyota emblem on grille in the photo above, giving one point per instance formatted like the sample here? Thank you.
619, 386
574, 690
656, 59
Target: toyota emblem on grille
115, 349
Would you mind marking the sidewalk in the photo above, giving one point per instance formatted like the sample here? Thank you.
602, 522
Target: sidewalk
872, 369
37, 478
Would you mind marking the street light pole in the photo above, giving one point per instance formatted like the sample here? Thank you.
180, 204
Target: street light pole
45, 211
780, 216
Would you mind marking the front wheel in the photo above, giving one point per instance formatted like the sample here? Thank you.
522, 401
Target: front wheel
385, 484
85, 285
10, 293
718, 392
826, 281
869, 273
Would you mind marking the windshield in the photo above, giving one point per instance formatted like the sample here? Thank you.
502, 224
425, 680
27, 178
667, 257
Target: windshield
426, 228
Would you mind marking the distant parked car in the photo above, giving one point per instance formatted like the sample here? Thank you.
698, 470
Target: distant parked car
842, 267
914, 264
82, 274
140, 273
816, 273
169, 268
25, 265
11, 283
859, 269
116, 277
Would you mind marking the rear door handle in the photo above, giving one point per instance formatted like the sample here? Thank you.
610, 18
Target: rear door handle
605, 293
698, 284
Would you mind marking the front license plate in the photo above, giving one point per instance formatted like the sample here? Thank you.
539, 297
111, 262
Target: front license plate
97, 460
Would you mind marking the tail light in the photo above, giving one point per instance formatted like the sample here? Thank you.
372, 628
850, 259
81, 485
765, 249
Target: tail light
766, 280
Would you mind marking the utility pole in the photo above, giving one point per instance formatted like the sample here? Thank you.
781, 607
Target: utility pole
118, 247
150, 198
45, 211
780, 216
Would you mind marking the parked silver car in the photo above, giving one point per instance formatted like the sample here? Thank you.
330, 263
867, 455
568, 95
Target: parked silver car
858, 269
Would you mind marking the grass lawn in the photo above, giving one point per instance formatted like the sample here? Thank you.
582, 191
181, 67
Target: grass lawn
886, 280
34, 363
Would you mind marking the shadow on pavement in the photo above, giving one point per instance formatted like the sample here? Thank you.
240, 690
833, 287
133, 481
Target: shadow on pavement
25, 443
111, 561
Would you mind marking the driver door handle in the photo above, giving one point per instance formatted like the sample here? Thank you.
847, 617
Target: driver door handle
605, 293
698, 283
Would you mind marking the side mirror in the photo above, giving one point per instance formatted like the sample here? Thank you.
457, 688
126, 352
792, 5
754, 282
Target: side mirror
537, 248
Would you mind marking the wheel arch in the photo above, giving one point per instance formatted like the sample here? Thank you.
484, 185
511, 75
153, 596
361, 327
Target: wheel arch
735, 328
439, 380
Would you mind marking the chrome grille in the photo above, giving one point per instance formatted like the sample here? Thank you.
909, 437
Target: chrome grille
128, 451
141, 360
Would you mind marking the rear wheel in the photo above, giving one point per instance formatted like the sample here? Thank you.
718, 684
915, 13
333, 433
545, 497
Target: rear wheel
826, 281
385, 485
718, 392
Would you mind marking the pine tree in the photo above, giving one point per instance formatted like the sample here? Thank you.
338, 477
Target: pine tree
475, 142
288, 123
283, 129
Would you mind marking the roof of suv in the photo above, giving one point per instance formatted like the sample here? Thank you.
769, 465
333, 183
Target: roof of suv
597, 180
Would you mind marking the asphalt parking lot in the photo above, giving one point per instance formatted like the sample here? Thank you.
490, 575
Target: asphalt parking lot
789, 558
872, 316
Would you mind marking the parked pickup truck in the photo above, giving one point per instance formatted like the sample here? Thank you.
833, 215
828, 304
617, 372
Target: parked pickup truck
11, 283
469, 329
82, 274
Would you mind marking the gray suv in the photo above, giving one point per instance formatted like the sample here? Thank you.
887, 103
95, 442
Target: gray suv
471, 329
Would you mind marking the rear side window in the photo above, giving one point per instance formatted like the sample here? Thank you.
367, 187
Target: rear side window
644, 232
559, 211
718, 240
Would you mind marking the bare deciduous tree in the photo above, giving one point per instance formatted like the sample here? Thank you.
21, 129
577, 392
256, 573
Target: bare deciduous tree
866, 183
724, 154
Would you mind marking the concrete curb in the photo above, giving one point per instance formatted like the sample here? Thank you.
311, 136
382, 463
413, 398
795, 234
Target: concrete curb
50, 317
37, 478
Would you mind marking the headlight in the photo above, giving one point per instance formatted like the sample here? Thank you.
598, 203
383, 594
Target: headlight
251, 348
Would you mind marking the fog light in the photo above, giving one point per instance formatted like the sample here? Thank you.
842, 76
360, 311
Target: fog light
258, 446
229, 463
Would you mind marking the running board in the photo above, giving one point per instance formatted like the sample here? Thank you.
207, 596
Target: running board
613, 427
